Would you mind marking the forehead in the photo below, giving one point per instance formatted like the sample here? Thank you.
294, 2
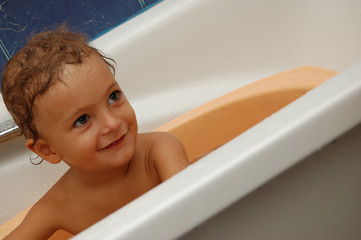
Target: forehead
80, 77
79, 84
92, 65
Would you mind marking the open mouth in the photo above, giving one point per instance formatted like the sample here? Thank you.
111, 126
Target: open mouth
114, 144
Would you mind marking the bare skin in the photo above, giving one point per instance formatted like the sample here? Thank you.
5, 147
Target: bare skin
93, 129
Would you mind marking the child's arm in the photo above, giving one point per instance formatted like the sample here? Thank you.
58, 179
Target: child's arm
168, 155
38, 224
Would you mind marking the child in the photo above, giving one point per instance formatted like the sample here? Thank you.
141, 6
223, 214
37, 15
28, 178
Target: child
63, 95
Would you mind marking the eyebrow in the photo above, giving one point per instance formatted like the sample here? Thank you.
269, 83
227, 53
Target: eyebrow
82, 109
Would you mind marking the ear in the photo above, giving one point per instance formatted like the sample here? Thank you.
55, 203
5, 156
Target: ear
43, 149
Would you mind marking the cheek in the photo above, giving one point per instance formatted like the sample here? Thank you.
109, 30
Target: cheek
86, 142
132, 118
76, 145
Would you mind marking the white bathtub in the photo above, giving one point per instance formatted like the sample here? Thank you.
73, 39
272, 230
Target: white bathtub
183, 53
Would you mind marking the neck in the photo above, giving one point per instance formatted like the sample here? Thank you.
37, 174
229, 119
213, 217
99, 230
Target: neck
100, 178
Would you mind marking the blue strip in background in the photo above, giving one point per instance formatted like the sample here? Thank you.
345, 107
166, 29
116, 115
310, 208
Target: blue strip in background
19, 19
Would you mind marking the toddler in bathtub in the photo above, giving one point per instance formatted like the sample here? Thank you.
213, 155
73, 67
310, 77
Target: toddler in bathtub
63, 95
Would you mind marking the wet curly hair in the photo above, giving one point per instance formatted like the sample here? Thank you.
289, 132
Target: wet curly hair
36, 67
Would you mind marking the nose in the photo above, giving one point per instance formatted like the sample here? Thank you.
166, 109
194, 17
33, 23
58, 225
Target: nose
109, 122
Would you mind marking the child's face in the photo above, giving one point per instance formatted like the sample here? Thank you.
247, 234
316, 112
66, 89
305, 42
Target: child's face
88, 121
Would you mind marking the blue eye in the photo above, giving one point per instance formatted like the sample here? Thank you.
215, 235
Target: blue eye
81, 121
114, 97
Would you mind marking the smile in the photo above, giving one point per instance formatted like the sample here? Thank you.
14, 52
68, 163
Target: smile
114, 144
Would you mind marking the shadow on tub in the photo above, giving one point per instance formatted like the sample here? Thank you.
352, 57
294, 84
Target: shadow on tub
211, 125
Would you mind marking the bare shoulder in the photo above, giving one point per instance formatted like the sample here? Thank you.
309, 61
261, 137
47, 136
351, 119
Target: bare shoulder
162, 141
160, 138
167, 153
39, 223
43, 219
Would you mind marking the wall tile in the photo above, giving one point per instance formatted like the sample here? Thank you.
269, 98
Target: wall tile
149, 2
19, 19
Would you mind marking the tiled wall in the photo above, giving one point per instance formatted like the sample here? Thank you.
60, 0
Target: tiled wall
21, 18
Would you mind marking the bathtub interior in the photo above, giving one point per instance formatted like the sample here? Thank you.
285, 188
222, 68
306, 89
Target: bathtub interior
240, 166
211, 125
256, 101
196, 57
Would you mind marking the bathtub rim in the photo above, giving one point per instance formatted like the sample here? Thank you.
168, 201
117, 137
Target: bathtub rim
317, 118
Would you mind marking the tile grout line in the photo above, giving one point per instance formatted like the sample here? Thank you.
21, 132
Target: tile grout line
4, 50
142, 3
3, 4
